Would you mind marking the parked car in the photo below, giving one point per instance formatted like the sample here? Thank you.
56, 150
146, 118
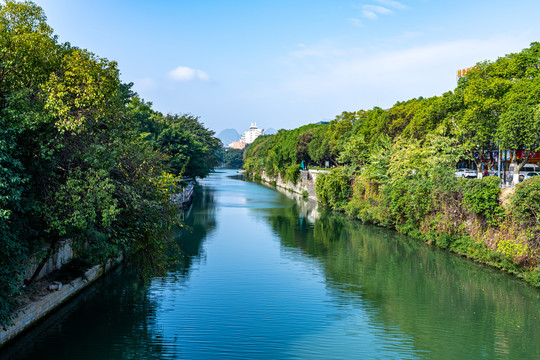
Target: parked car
531, 174
466, 173
525, 170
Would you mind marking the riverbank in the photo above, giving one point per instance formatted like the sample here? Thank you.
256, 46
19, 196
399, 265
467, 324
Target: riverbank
48, 296
304, 186
472, 218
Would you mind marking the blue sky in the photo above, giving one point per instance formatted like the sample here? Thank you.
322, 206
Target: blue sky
283, 64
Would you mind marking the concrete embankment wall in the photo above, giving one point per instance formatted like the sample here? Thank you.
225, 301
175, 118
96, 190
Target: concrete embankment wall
305, 183
63, 255
33, 312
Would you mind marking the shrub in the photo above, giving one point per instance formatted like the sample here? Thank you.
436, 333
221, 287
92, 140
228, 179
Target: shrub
269, 167
334, 188
525, 204
408, 201
292, 173
482, 197
366, 201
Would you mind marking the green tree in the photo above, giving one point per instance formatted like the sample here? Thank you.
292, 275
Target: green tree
483, 92
500, 98
233, 158
317, 149
192, 147
84, 94
27, 56
80, 157
13, 251
355, 152
27, 46
519, 127
302, 146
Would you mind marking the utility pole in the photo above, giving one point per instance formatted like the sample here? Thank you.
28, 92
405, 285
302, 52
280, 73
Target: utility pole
499, 160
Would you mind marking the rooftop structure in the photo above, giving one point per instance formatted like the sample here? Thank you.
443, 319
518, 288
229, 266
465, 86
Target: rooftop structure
251, 134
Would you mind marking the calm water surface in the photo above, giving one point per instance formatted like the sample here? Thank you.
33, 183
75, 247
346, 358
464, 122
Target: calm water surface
264, 276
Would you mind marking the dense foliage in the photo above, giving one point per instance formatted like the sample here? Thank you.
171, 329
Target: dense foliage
193, 150
81, 156
233, 158
396, 167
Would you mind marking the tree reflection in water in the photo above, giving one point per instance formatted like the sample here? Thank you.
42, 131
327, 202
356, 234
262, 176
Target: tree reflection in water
449, 306
200, 222
115, 319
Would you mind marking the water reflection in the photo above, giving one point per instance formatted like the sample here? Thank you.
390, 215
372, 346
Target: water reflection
116, 318
113, 320
445, 306
200, 222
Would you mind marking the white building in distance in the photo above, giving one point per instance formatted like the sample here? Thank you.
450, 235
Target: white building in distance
248, 137
251, 134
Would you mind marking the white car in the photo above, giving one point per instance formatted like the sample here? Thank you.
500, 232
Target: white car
526, 169
466, 173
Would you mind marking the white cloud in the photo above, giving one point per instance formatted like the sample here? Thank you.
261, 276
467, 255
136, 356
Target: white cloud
201, 75
323, 50
405, 36
373, 11
185, 73
356, 22
376, 77
392, 3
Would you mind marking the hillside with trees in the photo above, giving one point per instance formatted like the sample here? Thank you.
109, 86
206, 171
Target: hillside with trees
395, 167
82, 157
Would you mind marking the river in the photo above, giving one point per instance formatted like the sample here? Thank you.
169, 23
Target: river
265, 276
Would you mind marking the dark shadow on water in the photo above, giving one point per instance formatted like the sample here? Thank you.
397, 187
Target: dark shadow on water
113, 319
199, 224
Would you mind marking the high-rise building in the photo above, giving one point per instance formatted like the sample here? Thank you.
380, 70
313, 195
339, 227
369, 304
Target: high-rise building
251, 134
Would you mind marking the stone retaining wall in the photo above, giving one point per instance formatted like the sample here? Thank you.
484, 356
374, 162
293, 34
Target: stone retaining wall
35, 311
305, 183
62, 256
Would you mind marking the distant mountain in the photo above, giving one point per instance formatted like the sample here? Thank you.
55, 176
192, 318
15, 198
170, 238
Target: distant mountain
227, 136
270, 131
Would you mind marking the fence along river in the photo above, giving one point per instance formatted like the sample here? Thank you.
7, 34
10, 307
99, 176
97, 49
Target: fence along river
264, 276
